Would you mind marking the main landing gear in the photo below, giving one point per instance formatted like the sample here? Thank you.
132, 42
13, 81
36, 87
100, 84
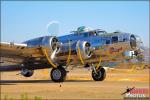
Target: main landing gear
99, 74
58, 74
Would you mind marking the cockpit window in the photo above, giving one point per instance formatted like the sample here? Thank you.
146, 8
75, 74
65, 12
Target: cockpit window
92, 33
86, 34
125, 39
96, 33
107, 41
100, 32
114, 39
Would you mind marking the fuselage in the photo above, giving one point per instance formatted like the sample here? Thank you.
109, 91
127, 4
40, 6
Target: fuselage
110, 46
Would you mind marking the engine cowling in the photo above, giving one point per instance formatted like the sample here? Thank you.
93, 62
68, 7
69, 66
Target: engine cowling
83, 49
49, 47
52, 43
74, 52
48, 42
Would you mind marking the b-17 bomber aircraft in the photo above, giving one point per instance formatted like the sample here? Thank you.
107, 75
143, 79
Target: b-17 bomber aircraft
84, 47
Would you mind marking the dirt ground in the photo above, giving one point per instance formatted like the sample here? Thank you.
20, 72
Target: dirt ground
79, 85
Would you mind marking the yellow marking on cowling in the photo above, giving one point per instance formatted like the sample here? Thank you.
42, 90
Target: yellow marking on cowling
133, 67
98, 65
80, 56
108, 53
48, 59
142, 66
69, 56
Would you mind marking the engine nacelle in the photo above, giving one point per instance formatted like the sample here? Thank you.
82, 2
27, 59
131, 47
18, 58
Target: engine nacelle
83, 49
48, 42
48, 46
75, 50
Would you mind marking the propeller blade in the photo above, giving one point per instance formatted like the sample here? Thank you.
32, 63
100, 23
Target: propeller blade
53, 28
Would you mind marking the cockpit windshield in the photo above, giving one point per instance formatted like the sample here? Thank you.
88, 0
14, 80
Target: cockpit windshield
100, 32
97, 32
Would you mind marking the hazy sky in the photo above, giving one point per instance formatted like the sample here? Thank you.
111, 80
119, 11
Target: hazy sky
25, 20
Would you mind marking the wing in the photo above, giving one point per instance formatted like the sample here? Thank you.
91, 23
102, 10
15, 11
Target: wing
15, 52
35, 55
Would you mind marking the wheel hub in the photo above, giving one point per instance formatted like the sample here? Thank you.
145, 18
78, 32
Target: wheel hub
98, 74
56, 74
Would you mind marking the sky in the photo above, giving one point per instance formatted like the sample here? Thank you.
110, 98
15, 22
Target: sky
24, 20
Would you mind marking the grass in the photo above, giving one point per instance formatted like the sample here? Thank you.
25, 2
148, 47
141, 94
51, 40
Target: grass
23, 96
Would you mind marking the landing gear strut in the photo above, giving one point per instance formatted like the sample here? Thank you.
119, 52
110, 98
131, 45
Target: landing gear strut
58, 74
99, 75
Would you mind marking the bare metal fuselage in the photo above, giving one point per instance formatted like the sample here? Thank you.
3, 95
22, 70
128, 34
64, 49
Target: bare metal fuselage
76, 49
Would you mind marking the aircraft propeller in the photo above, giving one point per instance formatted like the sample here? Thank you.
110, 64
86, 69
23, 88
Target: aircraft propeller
53, 28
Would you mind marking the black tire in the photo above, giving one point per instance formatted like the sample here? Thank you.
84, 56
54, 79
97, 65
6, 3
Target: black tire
100, 76
27, 72
58, 74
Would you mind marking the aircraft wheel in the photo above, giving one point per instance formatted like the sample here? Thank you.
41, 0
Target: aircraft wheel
100, 75
27, 72
58, 74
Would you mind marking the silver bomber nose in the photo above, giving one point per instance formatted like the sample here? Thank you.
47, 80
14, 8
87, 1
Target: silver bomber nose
139, 42
135, 42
